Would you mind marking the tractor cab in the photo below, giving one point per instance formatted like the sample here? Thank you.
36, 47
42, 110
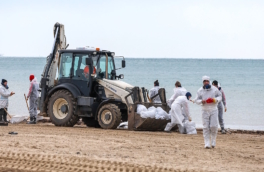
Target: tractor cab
81, 66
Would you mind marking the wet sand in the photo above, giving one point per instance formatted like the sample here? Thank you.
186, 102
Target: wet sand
44, 147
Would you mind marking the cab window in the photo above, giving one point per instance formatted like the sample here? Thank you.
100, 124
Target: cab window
102, 67
65, 65
80, 69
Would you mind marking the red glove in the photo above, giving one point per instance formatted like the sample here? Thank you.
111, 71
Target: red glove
209, 100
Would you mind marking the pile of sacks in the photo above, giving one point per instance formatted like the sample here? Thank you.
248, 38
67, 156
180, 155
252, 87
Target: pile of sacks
152, 112
187, 128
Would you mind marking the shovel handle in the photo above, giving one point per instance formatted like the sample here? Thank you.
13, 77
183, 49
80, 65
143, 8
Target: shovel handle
26, 101
148, 98
8, 113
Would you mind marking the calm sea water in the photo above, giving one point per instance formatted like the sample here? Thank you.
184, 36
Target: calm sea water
241, 80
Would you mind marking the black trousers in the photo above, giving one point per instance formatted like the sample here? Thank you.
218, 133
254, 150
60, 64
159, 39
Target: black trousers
3, 115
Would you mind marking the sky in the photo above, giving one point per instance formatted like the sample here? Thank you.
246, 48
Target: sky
164, 29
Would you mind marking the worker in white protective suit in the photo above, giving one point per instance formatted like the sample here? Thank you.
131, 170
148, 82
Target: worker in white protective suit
178, 91
33, 99
209, 97
179, 105
4, 94
153, 93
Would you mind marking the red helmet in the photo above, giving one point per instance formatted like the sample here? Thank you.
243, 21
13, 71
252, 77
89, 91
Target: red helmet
31, 77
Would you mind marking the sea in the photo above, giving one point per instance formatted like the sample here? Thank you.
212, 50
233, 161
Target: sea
241, 80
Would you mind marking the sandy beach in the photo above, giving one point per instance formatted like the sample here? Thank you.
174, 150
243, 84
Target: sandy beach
44, 147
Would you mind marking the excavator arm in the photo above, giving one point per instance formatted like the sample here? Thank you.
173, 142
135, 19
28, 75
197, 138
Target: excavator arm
51, 67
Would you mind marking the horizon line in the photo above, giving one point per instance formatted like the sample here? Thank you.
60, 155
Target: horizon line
205, 58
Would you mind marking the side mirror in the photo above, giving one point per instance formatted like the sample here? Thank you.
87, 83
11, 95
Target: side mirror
123, 63
121, 76
89, 61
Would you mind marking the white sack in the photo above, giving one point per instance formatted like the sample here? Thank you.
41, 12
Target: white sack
150, 113
141, 108
17, 119
190, 127
182, 128
123, 125
162, 114
39, 118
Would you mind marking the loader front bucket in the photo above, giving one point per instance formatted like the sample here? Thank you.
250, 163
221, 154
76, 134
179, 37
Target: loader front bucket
136, 122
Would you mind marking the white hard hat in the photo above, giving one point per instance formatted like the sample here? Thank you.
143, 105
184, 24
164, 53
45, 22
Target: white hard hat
206, 78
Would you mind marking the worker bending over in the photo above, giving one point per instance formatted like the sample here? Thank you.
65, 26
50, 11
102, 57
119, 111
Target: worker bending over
209, 97
178, 91
220, 107
153, 93
179, 105
33, 99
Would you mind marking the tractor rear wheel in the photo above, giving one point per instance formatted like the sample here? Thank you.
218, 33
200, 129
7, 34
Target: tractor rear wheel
91, 122
109, 116
61, 109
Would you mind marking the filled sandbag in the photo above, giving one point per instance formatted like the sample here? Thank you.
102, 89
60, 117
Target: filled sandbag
123, 125
190, 127
39, 118
150, 113
182, 128
17, 119
141, 108
162, 114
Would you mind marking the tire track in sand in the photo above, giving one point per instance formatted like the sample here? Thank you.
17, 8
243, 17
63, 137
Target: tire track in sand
10, 161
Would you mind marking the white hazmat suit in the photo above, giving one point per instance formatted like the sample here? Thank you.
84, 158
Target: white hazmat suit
209, 113
4, 94
179, 106
33, 98
178, 91
154, 91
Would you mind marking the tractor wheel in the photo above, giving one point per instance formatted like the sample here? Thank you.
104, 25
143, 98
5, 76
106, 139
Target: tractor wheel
91, 122
109, 116
61, 109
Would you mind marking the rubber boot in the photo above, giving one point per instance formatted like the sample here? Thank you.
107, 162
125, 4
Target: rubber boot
223, 130
5, 120
32, 120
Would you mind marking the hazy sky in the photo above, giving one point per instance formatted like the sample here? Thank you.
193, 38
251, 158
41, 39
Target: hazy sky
180, 29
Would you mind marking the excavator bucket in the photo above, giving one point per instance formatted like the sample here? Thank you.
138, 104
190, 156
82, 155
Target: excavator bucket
137, 123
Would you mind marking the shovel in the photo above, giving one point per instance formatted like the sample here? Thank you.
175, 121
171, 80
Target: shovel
10, 116
26, 103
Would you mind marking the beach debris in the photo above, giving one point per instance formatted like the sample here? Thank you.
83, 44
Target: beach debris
123, 125
13, 133
3, 124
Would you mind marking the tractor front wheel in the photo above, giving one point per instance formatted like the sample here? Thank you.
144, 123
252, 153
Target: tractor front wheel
109, 116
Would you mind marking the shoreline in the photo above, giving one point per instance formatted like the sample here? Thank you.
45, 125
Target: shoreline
229, 130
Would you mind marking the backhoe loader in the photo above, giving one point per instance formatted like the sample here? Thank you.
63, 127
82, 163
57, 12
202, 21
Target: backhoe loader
82, 83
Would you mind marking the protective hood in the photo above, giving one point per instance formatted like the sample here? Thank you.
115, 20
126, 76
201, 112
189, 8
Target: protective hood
206, 78
118, 83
